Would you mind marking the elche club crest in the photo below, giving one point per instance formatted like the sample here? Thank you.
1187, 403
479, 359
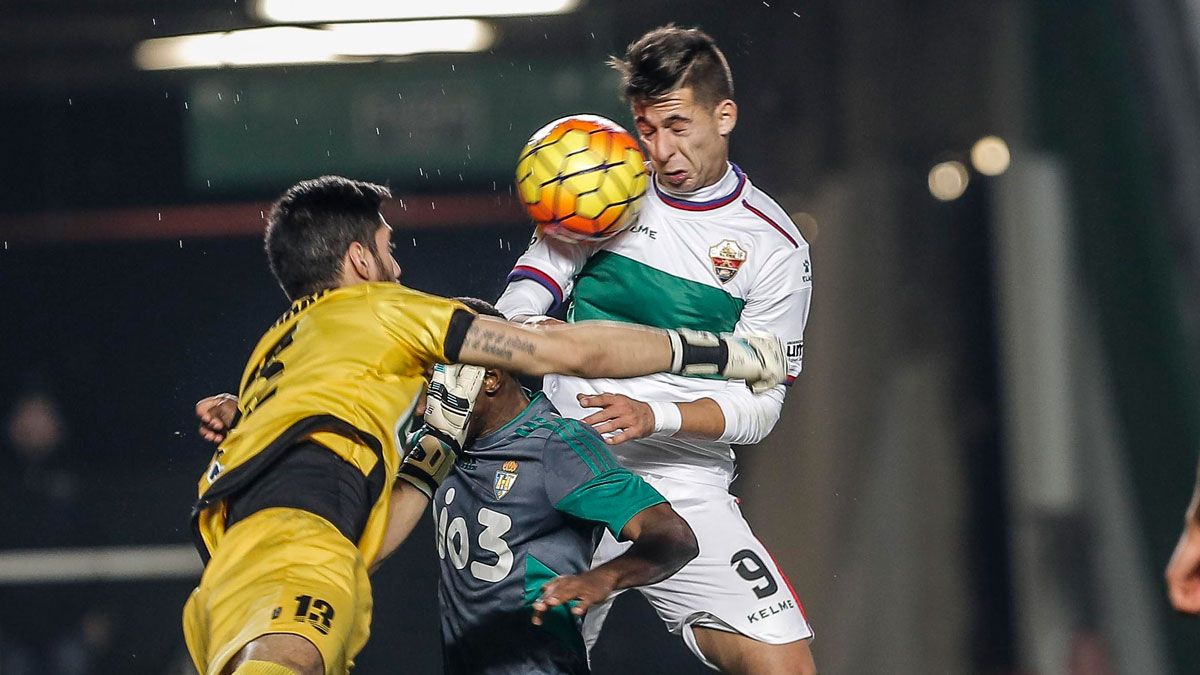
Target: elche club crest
727, 257
505, 477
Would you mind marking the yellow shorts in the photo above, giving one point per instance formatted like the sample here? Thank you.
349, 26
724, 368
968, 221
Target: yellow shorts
280, 570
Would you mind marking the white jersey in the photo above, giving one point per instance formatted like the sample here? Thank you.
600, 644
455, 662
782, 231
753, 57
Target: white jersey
733, 263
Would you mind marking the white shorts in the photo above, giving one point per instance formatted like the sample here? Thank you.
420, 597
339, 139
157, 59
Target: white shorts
733, 585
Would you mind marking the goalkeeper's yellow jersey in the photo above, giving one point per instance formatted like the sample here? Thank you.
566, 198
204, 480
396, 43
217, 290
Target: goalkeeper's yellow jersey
344, 368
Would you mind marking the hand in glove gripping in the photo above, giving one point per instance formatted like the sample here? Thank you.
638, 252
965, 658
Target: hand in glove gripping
756, 358
452, 393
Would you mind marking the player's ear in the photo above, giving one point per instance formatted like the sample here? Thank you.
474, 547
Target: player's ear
492, 379
726, 116
355, 260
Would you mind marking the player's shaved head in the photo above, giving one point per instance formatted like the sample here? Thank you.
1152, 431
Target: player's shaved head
313, 224
671, 58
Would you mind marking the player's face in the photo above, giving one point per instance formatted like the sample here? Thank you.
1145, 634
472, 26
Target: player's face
385, 260
687, 140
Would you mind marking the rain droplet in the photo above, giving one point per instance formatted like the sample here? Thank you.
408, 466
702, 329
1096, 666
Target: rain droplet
185, 105
237, 97
508, 245
262, 216
493, 186
766, 4
501, 244
160, 216
593, 35
208, 182
70, 102
452, 67
414, 241
296, 120
180, 243
460, 178
376, 131
219, 96
153, 21
6, 246
796, 14
166, 94
433, 205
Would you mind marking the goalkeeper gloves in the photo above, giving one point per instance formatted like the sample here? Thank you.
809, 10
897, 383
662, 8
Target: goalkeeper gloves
435, 446
756, 358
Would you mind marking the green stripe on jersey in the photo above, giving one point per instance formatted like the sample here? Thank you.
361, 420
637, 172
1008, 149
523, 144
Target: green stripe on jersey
616, 288
612, 498
590, 449
558, 621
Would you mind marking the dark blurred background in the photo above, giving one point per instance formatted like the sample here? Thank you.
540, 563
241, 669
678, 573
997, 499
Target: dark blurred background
982, 469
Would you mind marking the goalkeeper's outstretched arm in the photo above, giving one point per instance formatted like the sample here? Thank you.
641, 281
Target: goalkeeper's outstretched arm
605, 349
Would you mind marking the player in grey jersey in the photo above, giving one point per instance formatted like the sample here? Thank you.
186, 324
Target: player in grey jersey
518, 519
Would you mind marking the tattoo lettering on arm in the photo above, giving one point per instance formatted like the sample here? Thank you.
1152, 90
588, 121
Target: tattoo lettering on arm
496, 343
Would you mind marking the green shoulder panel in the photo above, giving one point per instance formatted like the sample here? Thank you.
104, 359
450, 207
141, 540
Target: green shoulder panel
612, 498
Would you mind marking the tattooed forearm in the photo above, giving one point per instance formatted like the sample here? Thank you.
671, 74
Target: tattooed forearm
496, 343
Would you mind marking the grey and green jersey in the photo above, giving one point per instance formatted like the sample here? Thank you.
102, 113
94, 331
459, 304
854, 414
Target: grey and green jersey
523, 505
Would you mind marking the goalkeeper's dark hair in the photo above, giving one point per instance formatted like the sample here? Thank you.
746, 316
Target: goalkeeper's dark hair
670, 58
313, 224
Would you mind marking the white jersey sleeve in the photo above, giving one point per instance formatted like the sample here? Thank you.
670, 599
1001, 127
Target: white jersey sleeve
552, 265
778, 304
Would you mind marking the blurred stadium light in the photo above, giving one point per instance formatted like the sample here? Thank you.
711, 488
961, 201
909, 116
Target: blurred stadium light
283, 45
321, 11
990, 156
948, 180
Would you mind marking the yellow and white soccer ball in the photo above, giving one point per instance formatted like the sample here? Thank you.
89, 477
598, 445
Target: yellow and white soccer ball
581, 178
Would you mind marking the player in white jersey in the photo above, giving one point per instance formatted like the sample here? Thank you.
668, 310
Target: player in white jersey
708, 251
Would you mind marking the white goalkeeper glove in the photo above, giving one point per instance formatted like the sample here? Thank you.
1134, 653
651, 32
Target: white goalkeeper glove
757, 358
436, 444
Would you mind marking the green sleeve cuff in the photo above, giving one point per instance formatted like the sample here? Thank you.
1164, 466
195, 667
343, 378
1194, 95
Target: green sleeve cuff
612, 498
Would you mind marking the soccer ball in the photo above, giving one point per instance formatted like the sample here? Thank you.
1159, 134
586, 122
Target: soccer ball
581, 178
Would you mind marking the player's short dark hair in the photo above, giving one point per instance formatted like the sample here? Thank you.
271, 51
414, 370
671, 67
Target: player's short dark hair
670, 58
481, 307
313, 224
485, 308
